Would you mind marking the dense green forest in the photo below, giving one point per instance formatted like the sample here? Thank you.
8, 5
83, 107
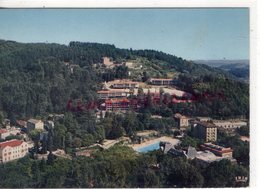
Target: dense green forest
119, 166
35, 78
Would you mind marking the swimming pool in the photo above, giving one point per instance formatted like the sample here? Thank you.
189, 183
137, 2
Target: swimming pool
148, 148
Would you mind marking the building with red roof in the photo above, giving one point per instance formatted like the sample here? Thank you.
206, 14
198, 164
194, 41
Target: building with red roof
120, 104
12, 149
217, 150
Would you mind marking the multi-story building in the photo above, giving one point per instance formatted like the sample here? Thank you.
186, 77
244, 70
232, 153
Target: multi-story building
182, 121
125, 84
12, 149
34, 124
229, 124
160, 81
120, 104
113, 93
205, 131
218, 150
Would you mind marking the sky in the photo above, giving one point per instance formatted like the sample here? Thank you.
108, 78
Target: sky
193, 34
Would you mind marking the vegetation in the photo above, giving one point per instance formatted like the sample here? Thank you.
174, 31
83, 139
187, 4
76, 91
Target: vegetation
39, 79
36, 79
119, 166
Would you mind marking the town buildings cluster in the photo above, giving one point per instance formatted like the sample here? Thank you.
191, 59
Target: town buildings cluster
15, 142
123, 95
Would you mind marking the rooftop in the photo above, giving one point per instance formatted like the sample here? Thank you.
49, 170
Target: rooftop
11, 143
229, 121
34, 121
191, 152
178, 115
21, 123
216, 148
206, 124
111, 91
161, 79
3, 131
207, 156
116, 100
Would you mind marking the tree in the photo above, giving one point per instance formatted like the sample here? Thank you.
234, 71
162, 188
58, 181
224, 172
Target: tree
243, 131
179, 173
222, 174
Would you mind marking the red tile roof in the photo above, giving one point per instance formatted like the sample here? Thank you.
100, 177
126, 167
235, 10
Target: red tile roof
116, 100
3, 131
21, 123
11, 143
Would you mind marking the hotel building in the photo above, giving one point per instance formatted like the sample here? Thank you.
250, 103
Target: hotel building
120, 104
205, 131
12, 149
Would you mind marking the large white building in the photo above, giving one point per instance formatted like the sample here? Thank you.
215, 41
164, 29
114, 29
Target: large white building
124, 84
112, 93
229, 124
12, 149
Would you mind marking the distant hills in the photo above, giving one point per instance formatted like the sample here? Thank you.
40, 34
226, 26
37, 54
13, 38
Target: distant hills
40, 78
238, 68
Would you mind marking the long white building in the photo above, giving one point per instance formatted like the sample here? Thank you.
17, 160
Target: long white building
12, 150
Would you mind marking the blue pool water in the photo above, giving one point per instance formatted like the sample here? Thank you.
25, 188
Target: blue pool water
148, 148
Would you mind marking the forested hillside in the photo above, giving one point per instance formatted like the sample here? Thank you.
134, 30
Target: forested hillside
35, 78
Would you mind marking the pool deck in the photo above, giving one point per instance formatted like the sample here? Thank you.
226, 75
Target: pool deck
152, 141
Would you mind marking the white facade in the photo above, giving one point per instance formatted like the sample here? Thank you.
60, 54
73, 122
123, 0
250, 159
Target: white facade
229, 124
13, 149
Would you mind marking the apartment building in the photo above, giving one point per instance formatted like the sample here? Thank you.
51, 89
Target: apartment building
120, 104
205, 131
12, 149
229, 124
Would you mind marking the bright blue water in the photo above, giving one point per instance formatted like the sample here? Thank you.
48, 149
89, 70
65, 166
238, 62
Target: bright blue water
148, 148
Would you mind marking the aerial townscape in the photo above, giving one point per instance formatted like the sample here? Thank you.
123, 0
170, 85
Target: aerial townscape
126, 97
93, 115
